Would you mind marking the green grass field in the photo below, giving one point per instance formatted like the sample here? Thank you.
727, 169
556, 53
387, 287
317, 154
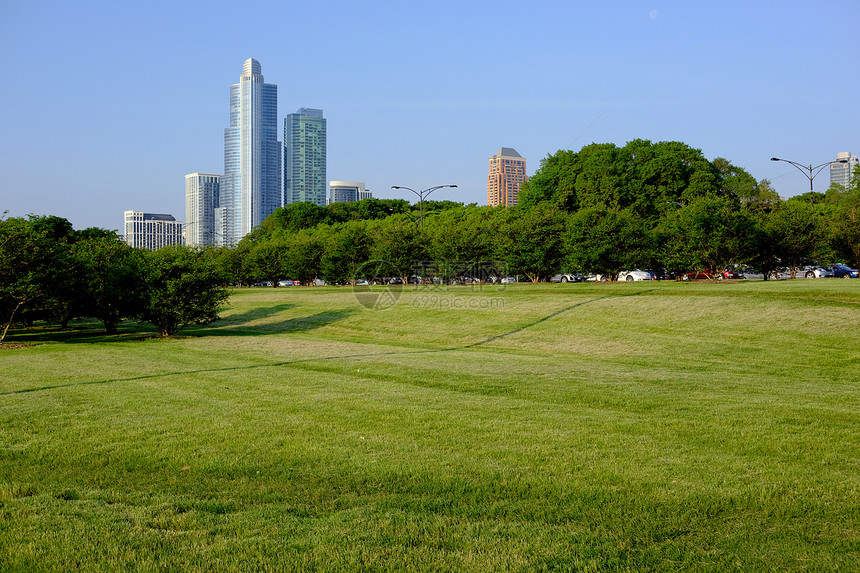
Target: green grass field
621, 427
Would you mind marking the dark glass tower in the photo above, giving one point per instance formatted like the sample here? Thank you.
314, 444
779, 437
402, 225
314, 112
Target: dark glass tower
305, 157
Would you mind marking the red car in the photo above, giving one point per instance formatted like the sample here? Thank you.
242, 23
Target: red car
730, 273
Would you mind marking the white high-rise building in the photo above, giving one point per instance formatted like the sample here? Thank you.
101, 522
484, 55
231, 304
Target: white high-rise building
151, 230
251, 184
840, 173
201, 200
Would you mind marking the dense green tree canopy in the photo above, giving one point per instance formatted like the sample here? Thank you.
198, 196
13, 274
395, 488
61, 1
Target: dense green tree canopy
606, 242
181, 286
531, 241
706, 236
34, 264
110, 279
642, 176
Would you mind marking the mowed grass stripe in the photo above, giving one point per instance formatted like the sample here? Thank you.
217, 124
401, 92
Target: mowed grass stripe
586, 427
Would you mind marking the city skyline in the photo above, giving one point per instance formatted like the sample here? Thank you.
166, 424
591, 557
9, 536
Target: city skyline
743, 81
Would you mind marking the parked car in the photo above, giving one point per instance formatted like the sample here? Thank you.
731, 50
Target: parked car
501, 280
286, 283
634, 275
815, 272
844, 272
730, 273
566, 278
662, 275
464, 280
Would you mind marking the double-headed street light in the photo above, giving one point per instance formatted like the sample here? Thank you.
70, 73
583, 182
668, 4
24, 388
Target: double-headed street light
810, 173
421, 194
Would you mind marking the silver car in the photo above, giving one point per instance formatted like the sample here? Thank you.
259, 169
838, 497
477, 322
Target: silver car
566, 278
815, 272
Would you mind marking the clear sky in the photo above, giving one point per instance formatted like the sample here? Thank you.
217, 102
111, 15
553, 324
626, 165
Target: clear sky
106, 106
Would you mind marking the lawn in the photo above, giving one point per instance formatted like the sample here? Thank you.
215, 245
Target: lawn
576, 427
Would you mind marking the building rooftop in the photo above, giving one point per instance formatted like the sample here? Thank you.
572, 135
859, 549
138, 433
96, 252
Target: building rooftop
507, 152
251, 66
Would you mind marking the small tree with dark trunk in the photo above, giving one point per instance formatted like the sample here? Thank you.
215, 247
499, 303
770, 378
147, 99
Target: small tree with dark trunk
182, 286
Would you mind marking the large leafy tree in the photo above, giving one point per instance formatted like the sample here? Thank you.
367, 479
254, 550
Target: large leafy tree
267, 256
642, 176
367, 209
182, 287
464, 233
532, 242
606, 242
347, 248
302, 259
235, 263
396, 241
707, 235
796, 236
109, 277
295, 217
554, 182
34, 264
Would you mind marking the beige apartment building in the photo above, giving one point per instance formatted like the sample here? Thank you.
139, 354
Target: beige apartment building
507, 175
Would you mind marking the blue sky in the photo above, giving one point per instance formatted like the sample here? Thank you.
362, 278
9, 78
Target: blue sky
107, 106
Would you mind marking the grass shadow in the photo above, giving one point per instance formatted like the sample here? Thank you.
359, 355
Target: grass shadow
80, 331
256, 313
298, 324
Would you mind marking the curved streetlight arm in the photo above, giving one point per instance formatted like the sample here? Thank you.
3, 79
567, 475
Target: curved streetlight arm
421, 194
407, 188
424, 192
807, 170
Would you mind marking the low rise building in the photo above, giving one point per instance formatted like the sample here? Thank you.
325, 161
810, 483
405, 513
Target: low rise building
343, 191
152, 230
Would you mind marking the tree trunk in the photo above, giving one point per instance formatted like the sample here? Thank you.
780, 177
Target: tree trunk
9, 323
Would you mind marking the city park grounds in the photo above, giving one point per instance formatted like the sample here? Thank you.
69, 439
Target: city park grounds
576, 427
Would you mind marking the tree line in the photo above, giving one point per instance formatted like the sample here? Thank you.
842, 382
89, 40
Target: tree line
49, 271
600, 210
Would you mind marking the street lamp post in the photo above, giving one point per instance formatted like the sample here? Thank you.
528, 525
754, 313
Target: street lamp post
421, 194
810, 172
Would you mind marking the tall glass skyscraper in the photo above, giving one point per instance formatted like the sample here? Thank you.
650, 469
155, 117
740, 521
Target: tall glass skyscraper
305, 157
251, 184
